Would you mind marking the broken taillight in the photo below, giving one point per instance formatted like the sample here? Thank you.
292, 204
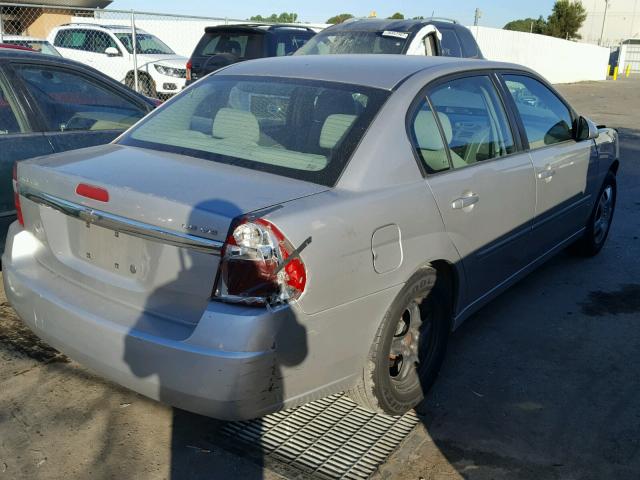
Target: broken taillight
16, 194
257, 266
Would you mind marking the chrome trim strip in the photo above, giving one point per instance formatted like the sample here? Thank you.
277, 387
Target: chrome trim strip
123, 224
10, 213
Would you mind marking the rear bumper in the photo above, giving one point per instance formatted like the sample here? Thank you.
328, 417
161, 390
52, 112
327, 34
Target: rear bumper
225, 366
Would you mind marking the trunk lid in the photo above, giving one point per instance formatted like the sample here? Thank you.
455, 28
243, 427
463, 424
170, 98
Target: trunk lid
160, 192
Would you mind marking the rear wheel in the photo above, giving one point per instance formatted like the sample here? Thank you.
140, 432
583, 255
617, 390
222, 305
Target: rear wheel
408, 349
600, 220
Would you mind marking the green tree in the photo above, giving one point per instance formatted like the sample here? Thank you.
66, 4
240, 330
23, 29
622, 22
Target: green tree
340, 18
397, 16
284, 17
527, 25
566, 19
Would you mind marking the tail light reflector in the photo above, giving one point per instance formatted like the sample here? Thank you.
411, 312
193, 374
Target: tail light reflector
92, 192
16, 194
256, 267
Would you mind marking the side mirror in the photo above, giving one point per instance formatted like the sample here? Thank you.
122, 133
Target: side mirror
587, 130
112, 52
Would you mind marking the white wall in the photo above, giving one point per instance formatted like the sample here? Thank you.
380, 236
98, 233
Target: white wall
560, 61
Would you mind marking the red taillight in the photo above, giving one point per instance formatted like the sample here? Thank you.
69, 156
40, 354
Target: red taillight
189, 65
16, 194
255, 266
93, 192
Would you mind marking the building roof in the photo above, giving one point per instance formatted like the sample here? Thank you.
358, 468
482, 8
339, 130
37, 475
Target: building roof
64, 3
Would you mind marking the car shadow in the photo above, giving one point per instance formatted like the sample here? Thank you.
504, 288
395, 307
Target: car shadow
196, 439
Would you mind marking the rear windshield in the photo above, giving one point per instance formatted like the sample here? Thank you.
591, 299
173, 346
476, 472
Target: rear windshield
332, 42
296, 128
241, 45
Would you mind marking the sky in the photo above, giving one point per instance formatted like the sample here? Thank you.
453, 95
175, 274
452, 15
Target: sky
495, 13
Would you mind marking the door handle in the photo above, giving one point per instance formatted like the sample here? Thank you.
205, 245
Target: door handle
547, 173
466, 201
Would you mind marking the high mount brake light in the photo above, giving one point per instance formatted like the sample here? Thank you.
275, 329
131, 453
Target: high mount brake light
256, 268
16, 194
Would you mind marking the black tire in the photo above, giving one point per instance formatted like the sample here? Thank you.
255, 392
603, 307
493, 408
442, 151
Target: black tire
600, 220
389, 384
147, 85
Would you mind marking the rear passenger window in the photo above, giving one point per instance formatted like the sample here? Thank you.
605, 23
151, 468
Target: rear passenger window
428, 140
9, 119
546, 119
74, 39
473, 120
469, 44
71, 101
450, 43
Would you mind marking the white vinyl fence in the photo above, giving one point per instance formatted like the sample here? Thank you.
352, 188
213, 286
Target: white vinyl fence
560, 61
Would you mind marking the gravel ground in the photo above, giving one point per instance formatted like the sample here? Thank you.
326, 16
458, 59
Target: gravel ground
542, 383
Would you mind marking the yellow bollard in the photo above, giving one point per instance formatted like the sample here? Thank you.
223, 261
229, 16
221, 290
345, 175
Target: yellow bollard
608, 70
628, 70
615, 72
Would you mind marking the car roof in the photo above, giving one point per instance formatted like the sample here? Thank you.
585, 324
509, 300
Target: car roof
377, 71
110, 28
381, 24
17, 38
257, 27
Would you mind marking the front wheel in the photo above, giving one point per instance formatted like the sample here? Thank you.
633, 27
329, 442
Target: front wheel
600, 220
408, 349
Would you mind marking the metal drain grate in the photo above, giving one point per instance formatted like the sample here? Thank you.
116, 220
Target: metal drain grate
332, 438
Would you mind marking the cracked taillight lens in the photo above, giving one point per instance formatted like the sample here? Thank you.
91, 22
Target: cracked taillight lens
256, 268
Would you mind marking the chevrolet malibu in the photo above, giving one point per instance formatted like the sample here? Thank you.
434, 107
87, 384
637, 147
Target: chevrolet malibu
289, 228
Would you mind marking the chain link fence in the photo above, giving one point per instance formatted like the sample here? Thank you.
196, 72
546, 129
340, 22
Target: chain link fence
146, 51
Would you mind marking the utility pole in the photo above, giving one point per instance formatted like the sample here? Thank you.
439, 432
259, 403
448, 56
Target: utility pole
604, 19
477, 16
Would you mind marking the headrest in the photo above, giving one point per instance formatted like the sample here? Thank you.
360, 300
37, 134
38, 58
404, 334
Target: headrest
334, 128
427, 132
237, 124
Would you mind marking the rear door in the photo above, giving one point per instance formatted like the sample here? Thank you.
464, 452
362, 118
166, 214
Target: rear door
77, 109
482, 182
18, 141
565, 169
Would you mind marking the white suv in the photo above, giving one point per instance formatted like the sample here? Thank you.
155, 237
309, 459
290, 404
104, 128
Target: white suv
109, 48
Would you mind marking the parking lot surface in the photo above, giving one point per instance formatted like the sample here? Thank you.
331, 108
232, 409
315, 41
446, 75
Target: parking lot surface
541, 383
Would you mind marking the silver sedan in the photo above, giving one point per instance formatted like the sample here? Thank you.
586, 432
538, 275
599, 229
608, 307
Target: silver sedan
289, 228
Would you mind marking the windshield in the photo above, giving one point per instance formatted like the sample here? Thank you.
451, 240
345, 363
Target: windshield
145, 44
241, 45
329, 42
296, 128
41, 46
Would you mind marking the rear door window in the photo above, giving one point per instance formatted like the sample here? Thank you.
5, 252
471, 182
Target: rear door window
10, 118
73, 39
473, 120
72, 101
469, 45
450, 43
